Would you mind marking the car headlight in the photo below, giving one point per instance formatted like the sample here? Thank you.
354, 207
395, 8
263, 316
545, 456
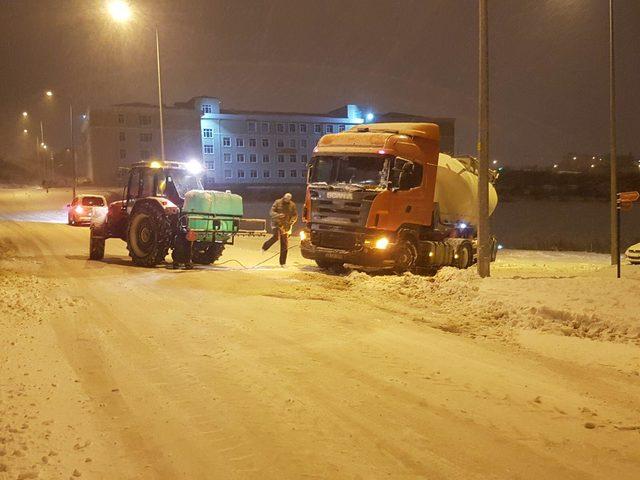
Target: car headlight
382, 243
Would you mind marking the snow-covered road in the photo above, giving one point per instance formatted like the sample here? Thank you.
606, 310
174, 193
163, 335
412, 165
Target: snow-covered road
108, 371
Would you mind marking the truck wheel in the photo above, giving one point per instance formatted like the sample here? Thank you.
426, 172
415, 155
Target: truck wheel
207, 254
465, 256
96, 245
148, 236
329, 265
406, 256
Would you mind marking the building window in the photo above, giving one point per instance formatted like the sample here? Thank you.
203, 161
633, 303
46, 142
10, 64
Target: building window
265, 158
254, 173
303, 143
293, 159
253, 158
240, 158
121, 118
280, 143
207, 132
240, 173
292, 143
206, 108
145, 137
328, 128
252, 142
144, 155
226, 141
227, 158
207, 148
209, 165
122, 136
303, 128
303, 158
251, 127
280, 128
239, 142
265, 142
264, 127
293, 173
145, 120
281, 173
227, 174
280, 158
266, 173
317, 128
123, 154
292, 128
341, 128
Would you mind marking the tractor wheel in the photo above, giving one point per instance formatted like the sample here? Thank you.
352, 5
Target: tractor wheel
96, 244
330, 264
465, 256
406, 255
206, 254
148, 236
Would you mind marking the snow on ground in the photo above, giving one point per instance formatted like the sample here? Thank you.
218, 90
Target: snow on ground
111, 371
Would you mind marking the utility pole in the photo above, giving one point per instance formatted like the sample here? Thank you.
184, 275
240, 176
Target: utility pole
613, 159
484, 248
160, 96
73, 150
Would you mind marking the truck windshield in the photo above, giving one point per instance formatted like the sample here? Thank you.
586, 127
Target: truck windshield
183, 181
351, 169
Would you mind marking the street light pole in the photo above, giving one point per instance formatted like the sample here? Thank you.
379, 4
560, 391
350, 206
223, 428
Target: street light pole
484, 253
160, 96
73, 150
612, 139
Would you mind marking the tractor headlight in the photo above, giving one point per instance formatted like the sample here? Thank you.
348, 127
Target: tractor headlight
382, 243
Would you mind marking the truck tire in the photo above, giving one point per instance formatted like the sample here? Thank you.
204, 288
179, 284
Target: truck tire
329, 264
465, 256
96, 244
148, 236
207, 254
406, 255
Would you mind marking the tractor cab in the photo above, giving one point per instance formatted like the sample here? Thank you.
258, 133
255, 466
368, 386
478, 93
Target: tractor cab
170, 180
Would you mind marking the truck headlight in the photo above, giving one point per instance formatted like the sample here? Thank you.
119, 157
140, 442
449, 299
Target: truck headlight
382, 243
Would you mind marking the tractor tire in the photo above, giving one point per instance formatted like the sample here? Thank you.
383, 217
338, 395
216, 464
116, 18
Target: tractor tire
406, 255
96, 244
206, 254
465, 256
330, 264
148, 236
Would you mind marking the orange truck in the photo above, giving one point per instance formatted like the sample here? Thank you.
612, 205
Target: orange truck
383, 195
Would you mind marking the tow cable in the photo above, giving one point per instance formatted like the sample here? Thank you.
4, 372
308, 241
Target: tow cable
244, 267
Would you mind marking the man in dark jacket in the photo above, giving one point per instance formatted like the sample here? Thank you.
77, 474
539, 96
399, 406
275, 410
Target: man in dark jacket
283, 216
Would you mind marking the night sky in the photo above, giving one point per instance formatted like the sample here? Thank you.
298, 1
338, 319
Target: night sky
548, 61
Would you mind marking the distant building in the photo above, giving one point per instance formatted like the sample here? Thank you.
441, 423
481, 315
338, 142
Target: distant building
247, 147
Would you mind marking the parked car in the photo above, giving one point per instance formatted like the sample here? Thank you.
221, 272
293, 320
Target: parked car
81, 208
633, 254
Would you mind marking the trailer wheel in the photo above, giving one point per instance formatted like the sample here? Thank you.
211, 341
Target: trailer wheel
406, 255
96, 244
148, 236
206, 254
465, 256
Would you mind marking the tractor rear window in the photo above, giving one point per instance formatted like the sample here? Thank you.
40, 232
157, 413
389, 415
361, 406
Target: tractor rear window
93, 201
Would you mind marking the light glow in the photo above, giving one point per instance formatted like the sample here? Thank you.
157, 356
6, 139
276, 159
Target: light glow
119, 10
303, 235
25, 131
79, 209
381, 152
370, 116
25, 114
382, 243
500, 247
49, 93
155, 164
194, 167
462, 226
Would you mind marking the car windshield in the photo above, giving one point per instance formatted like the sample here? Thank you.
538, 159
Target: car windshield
184, 181
93, 201
359, 170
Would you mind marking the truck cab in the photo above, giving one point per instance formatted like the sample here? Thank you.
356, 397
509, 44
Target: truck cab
371, 201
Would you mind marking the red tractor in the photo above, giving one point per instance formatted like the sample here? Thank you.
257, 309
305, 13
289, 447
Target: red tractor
163, 202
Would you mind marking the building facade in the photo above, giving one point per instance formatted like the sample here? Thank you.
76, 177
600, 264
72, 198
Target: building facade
235, 147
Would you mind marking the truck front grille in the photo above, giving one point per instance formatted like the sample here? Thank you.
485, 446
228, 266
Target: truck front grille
337, 240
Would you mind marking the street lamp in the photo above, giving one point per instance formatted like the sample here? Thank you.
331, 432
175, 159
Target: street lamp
25, 114
121, 12
49, 94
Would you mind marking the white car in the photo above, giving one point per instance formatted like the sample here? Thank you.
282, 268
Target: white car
633, 254
80, 210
